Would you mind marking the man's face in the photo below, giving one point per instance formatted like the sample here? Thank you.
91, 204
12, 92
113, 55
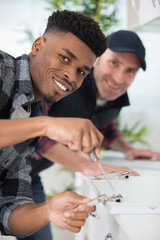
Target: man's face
59, 62
114, 72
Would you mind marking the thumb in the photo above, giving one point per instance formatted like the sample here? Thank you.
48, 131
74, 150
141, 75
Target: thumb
85, 200
81, 199
77, 198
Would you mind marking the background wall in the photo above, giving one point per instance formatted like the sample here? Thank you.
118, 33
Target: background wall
145, 92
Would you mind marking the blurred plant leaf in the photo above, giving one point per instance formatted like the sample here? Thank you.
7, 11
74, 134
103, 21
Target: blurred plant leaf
103, 11
135, 133
29, 36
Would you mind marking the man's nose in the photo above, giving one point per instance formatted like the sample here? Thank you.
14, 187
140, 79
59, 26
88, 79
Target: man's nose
70, 74
119, 77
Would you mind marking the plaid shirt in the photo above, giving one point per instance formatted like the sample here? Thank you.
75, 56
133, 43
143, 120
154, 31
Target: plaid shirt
44, 143
15, 90
110, 132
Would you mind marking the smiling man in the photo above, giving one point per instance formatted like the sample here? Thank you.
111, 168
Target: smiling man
58, 63
55, 67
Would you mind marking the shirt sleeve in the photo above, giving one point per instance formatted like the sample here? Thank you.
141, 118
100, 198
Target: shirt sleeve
14, 192
43, 145
110, 132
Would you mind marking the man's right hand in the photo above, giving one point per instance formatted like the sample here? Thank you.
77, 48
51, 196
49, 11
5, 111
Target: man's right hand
77, 133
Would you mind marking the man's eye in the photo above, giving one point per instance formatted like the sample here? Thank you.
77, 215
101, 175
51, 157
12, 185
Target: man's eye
114, 62
131, 71
65, 59
81, 72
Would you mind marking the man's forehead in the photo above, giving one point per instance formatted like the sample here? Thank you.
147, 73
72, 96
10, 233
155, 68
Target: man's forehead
125, 57
125, 53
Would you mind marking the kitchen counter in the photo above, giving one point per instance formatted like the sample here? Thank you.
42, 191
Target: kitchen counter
137, 217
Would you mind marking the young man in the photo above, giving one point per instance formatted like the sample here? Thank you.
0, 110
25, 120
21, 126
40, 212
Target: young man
100, 98
55, 67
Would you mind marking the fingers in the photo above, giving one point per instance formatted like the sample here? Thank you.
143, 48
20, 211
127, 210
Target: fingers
124, 169
142, 153
112, 168
133, 173
68, 210
130, 156
92, 139
77, 133
73, 221
89, 138
72, 224
86, 138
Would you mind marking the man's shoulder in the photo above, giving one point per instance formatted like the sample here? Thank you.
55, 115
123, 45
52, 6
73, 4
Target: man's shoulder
6, 58
7, 73
7, 69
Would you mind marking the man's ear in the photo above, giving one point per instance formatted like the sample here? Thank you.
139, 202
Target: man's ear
37, 45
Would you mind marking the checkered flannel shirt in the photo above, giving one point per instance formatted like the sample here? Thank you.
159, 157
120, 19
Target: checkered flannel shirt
15, 90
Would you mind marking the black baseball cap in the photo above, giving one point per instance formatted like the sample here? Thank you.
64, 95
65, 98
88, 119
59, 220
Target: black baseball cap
127, 41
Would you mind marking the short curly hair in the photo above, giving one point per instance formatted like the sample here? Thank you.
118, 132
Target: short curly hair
83, 27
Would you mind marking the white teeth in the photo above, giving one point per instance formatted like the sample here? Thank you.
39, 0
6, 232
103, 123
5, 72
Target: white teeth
60, 85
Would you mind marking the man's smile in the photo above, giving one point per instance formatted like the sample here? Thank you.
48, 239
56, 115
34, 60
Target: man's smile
65, 87
60, 85
112, 86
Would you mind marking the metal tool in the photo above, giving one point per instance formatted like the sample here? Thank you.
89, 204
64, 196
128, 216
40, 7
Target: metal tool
96, 160
103, 198
123, 175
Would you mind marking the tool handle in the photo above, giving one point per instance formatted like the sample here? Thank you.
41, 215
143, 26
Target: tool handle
93, 157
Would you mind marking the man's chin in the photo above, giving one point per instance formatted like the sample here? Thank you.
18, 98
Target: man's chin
55, 98
112, 97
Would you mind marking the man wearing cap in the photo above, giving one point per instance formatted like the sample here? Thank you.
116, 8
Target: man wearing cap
100, 98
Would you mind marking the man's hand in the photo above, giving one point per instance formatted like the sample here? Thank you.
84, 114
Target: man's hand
69, 159
77, 133
67, 210
142, 153
94, 170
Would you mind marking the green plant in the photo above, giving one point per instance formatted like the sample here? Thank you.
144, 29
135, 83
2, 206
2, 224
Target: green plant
103, 11
135, 133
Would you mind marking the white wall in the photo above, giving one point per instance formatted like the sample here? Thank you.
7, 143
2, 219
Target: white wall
145, 92
15, 17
